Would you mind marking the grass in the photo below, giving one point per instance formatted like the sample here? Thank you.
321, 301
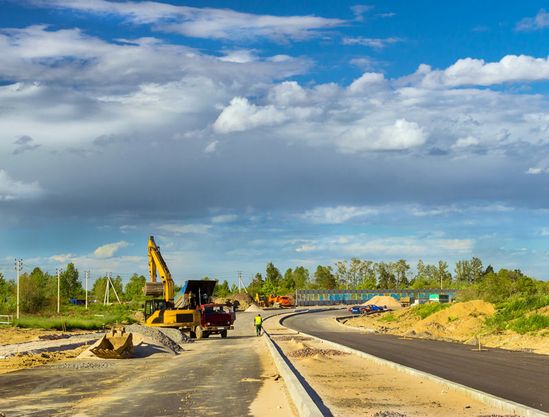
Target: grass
425, 310
515, 314
77, 317
388, 318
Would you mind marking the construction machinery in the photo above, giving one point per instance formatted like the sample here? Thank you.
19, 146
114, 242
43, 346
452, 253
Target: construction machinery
117, 344
185, 310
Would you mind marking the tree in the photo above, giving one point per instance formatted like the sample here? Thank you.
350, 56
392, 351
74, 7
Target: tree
401, 269
256, 286
272, 280
443, 276
134, 288
70, 285
386, 277
288, 282
301, 277
470, 271
222, 290
100, 285
324, 278
35, 290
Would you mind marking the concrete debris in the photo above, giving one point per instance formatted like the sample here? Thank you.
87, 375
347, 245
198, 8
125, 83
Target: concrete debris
291, 338
307, 352
388, 414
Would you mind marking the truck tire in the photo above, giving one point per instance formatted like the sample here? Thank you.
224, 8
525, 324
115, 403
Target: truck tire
192, 334
223, 333
205, 334
199, 332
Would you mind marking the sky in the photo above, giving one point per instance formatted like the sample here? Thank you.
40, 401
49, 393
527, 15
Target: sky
302, 133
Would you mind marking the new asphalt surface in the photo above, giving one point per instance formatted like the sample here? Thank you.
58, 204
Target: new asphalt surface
517, 376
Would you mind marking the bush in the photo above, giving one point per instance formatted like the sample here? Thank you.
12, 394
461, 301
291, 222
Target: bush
388, 318
425, 310
531, 323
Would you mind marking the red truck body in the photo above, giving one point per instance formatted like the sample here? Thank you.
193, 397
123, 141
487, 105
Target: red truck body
215, 319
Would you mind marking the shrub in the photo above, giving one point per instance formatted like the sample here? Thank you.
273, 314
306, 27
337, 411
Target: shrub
425, 310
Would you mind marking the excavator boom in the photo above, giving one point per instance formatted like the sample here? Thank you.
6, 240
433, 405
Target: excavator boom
157, 266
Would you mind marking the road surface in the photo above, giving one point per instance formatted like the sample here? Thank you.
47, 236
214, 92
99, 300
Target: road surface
213, 376
517, 376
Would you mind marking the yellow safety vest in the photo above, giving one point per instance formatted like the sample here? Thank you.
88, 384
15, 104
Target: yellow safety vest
258, 320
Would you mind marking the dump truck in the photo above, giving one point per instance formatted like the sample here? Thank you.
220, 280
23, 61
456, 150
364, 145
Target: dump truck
185, 310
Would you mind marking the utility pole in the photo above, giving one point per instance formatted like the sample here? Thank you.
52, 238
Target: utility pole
58, 290
18, 268
239, 281
87, 276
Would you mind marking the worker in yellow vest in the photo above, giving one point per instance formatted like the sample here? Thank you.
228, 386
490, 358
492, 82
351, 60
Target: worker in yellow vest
258, 323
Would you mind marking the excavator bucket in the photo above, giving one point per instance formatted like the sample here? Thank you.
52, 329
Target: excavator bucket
117, 344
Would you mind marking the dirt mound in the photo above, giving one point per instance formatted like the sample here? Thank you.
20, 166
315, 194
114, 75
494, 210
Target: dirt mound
384, 300
244, 300
461, 321
253, 307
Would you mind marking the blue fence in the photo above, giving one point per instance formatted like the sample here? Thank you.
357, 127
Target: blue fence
333, 297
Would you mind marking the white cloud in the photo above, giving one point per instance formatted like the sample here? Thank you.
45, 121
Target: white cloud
465, 142
182, 229
376, 43
470, 71
211, 147
366, 81
537, 171
110, 249
63, 258
224, 218
395, 247
400, 135
240, 56
241, 115
538, 22
207, 23
11, 189
337, 215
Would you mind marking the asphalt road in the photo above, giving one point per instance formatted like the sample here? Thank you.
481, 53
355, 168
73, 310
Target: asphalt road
211, 377
516, 376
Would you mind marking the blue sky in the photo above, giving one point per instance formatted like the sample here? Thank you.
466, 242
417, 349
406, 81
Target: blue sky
240, 133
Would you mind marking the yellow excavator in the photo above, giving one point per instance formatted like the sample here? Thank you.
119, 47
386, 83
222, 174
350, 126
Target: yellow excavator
178, 313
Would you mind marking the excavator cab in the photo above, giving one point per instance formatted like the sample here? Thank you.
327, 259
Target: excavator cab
152, 305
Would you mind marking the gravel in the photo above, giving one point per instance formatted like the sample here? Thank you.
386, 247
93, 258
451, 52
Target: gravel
388, 414
176, 335
158, 335
82, 365
307, 352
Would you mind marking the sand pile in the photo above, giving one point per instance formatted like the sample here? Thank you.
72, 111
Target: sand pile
461, 321
253, 307
384, 300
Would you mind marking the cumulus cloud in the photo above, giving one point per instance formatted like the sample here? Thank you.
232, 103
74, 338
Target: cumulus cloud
537, 171
207, 23
241, 115
470, 71
466, 142
337, 215
538, 22
400, 135
11, 189
109, 250
62, 258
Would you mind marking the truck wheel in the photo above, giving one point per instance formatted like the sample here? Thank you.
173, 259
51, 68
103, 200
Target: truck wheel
192, 334
199, 332
223, 333
205, 335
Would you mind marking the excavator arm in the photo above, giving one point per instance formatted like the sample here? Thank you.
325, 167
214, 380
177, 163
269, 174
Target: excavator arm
157, 266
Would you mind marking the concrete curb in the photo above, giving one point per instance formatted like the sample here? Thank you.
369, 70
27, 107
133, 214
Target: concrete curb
305, 405
489, 399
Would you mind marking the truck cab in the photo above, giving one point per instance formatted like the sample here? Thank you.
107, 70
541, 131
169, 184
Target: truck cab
214, 319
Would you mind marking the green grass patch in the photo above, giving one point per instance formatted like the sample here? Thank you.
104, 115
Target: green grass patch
70, 323
425, 310
514, 315
388, 318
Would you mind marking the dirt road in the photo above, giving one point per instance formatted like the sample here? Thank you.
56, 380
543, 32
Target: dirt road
229, 377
